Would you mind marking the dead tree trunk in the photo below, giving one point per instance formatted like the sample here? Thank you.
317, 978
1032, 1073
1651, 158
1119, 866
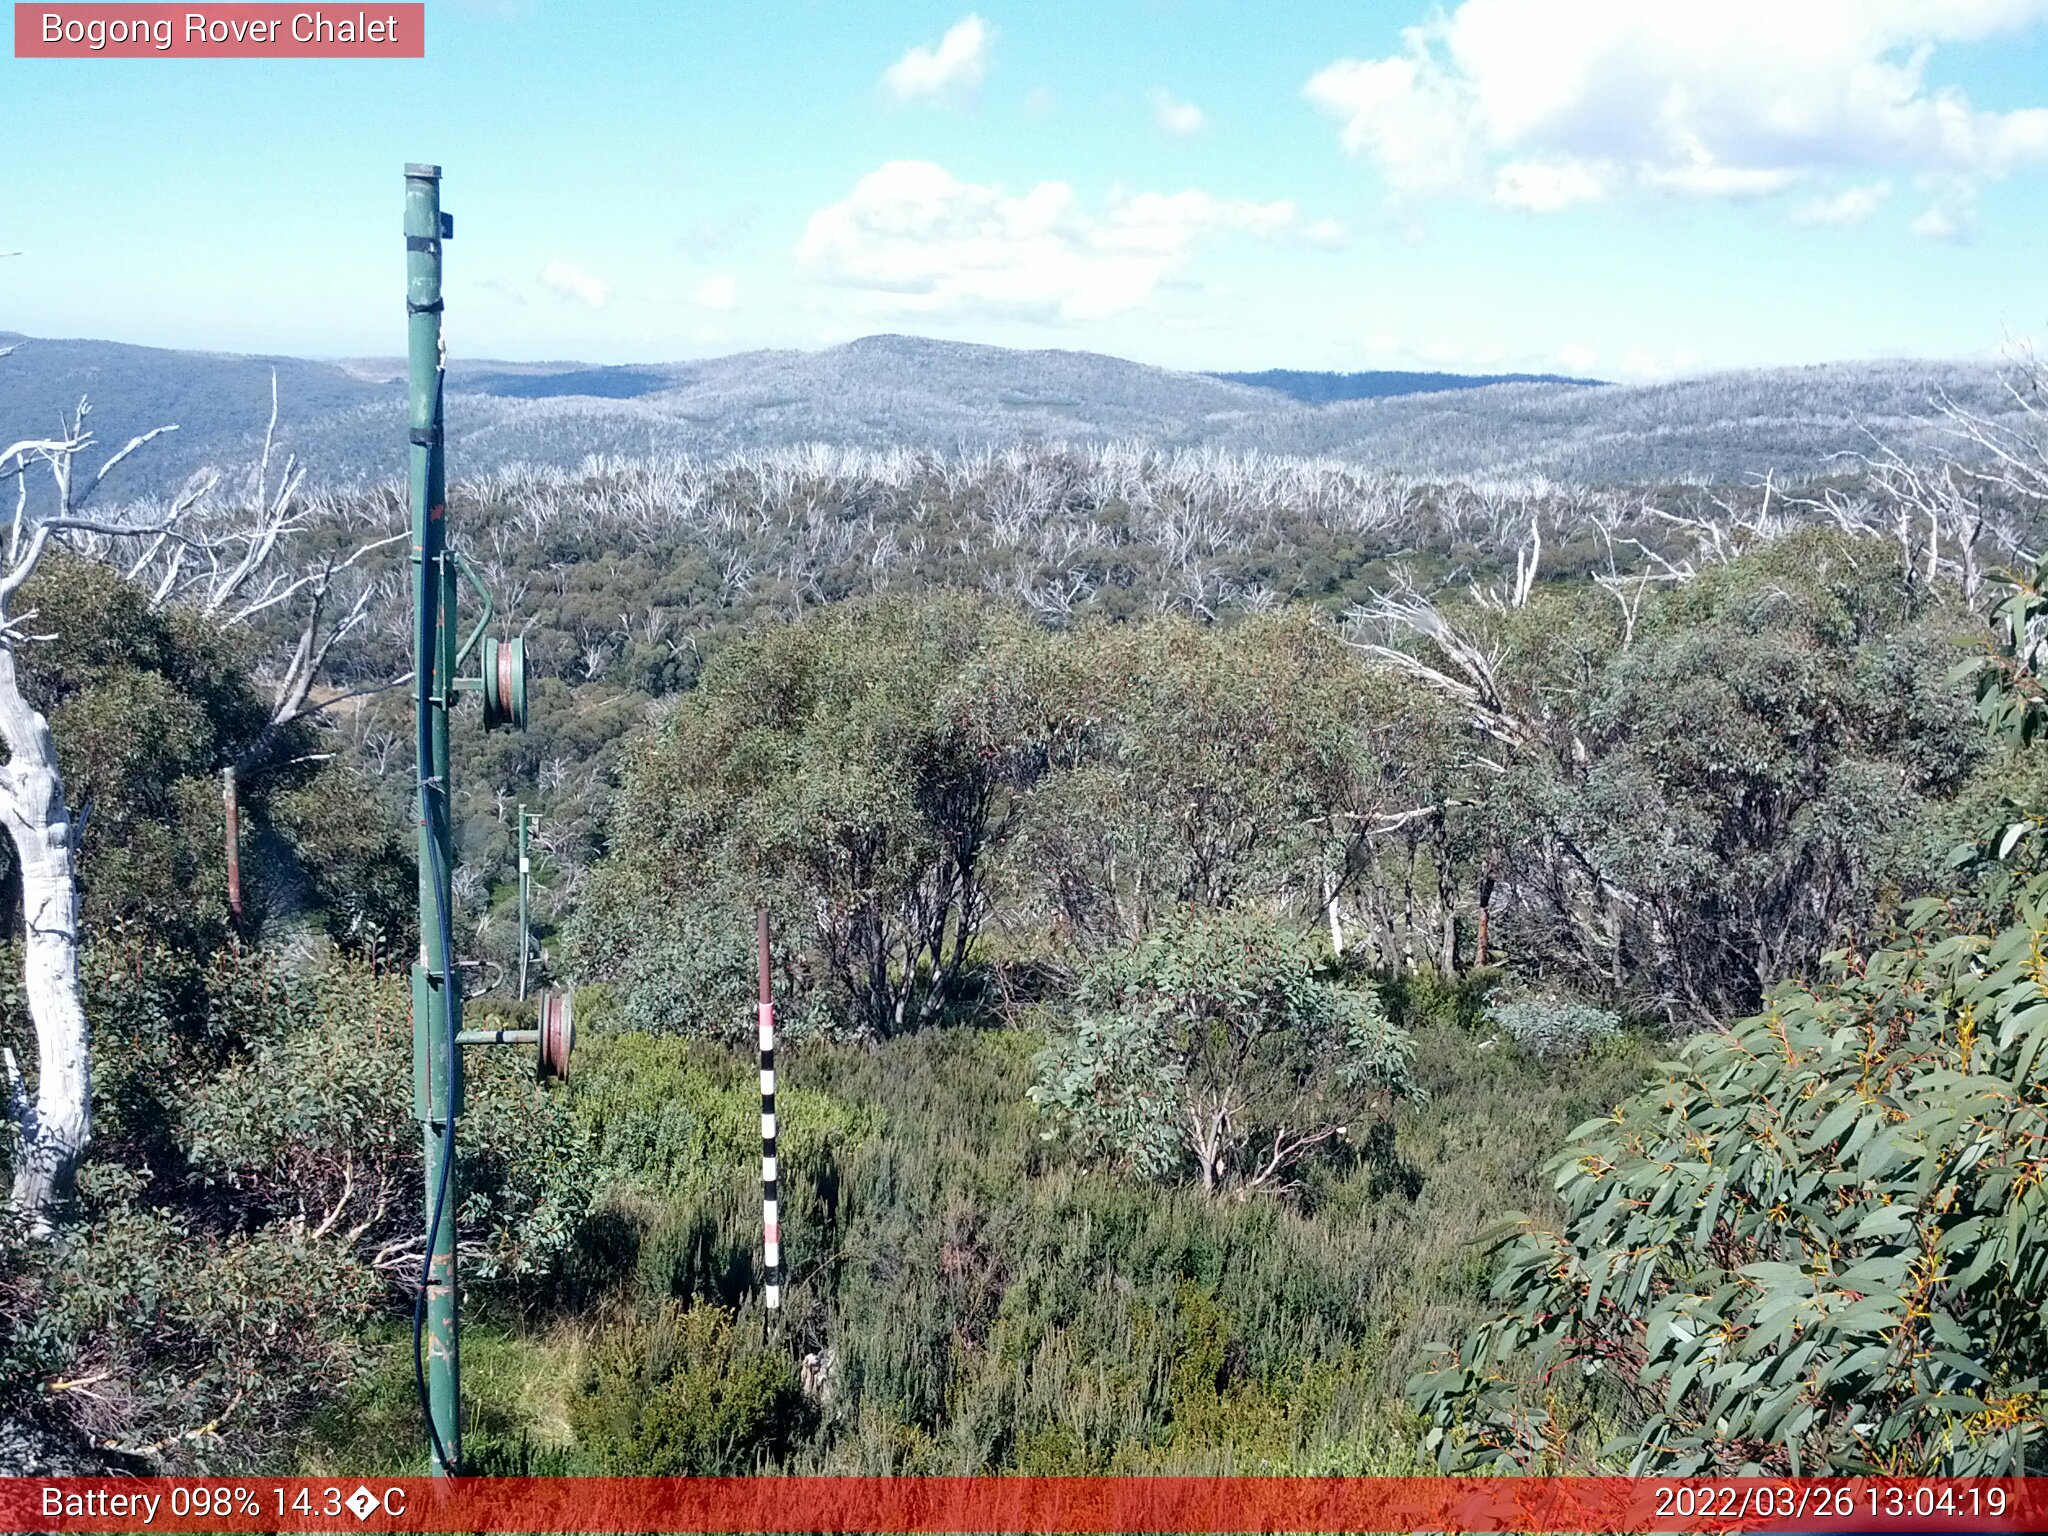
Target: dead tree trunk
51, 1131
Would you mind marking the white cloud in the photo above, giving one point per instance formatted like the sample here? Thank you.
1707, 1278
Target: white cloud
506, 290
1327, 234
1703, 177
1545, 187
1179, 118
1542, 103
572, 282
951, 66
717, 291
1952, 216
919, 240
1404, 113
1936, 223
1850, 206
1647, 363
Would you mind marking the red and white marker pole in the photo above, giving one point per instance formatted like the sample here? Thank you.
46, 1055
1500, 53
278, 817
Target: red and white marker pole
771, 1221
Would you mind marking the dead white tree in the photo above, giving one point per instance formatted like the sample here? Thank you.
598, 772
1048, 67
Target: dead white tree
52, 1130
247, 561
1467, 668
1974, 500
267, 556
1630, 588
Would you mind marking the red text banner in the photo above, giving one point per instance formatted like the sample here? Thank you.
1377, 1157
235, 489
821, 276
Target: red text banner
220, 31
864, 1505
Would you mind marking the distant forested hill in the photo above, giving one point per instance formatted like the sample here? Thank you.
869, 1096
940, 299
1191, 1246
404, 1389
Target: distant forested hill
218, 400
345, 419
1322, 388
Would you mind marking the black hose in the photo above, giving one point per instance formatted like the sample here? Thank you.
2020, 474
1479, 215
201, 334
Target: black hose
419, 1303
425, 640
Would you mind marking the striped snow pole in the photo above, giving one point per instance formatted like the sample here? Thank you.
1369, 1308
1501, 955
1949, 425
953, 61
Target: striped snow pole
771, 1223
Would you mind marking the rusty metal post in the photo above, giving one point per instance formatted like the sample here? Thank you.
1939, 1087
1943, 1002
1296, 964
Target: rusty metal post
231, 805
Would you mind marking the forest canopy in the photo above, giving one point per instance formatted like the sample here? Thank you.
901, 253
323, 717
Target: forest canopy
1203, 891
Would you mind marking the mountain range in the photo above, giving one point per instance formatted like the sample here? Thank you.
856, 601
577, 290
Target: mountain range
345, 418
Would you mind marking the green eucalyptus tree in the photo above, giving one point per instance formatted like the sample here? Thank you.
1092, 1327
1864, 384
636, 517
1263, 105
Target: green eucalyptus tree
1213, 1041
1815, 1243
845, 771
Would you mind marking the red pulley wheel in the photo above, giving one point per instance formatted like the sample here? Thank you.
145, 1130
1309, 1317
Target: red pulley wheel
557, 1033
502, 682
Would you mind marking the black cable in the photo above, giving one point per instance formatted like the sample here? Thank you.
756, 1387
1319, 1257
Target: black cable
425, 638
419, 1303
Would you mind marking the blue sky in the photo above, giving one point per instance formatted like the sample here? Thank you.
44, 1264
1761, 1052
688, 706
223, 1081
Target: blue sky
1606, 186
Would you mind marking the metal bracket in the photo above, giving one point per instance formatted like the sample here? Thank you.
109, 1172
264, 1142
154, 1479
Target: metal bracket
476, 582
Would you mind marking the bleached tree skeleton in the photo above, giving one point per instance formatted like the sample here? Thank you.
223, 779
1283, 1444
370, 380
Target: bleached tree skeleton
236, 567
52, 1130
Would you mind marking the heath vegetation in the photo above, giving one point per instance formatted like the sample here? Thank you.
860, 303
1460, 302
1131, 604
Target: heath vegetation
1285, 968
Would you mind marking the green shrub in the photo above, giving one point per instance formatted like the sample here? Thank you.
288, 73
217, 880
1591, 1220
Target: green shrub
252, 1199
969, 1300
146, 1334
1213, 1037
310, 1118
670, 1114
1415, 998
685, 1393
1555, 1027
1816, 1244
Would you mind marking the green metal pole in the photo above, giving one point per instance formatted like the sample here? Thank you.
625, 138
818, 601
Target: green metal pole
437, 1007
525, 928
